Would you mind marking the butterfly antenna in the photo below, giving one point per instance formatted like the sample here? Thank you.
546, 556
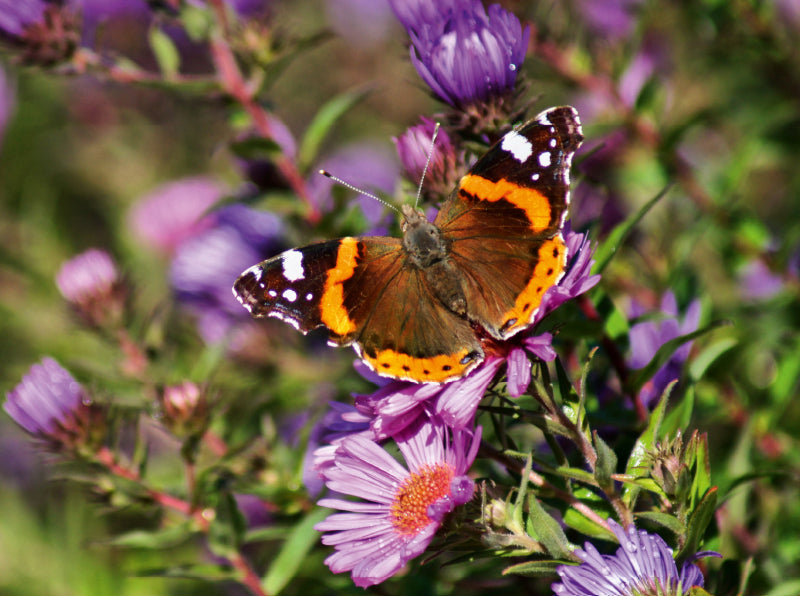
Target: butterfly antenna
327, 174
427, 163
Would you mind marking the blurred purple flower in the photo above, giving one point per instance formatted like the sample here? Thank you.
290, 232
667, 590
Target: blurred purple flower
95, 13
174, 212
413, 147
757, 282
48, 403
7, 101
362, 23
91, 283
609, 19
366, 166
597, 196
88, 276
403, 507
647, 337
464, 54
262, 171
652, 60
643, 564
206, 264
17, 15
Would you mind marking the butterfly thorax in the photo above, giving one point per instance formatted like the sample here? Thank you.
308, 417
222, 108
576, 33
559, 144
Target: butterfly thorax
428, 252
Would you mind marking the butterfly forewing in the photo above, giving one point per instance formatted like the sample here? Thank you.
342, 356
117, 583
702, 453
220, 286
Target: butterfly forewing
504, 223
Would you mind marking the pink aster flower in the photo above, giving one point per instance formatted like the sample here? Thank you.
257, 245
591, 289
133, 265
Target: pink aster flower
402, 507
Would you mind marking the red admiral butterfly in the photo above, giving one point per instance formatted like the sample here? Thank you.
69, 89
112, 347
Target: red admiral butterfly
419, 308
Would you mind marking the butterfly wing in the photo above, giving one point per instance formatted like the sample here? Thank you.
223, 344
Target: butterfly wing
504, 221
366, 294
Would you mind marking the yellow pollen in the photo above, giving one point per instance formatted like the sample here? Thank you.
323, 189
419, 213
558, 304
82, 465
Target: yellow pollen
421, 489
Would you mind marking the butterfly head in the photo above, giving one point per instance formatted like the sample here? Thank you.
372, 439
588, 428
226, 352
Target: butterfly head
422, 240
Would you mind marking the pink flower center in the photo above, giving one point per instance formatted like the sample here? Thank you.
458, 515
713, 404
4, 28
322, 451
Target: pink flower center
421, 489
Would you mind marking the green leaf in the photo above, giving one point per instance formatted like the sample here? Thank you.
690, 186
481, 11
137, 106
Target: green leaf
226, 533
541, 568
548, 530
606, 463
664, 353
606, 250
578, 474
702, 474
322, 123
680, 415
167, 56
253, 148
672, 523
293, 554
637, 461
159, 539
706, 357
698, 522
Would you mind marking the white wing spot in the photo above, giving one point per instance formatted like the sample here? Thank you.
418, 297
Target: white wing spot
544, 159
535, 176
309, 296
553, 143
517, 145
272, 293
289, 295
293, 265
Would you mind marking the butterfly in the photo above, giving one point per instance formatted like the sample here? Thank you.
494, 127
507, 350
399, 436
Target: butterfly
421, 307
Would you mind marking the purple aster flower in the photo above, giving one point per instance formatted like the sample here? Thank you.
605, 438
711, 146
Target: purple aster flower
91, 283
642, 565
413, 148
366, 166
7, 95
647, 337
205, 265
174, 212
464, 54
50, 404
342, 421
402, 507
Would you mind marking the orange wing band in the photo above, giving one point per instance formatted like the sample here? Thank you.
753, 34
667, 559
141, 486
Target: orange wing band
436, 369
333, 314
552, 261
534, 203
